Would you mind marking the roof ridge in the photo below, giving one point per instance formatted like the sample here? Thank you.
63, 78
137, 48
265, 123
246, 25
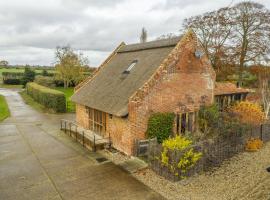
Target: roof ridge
150, 45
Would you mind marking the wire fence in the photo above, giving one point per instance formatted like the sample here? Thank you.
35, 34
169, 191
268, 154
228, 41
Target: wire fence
214, 151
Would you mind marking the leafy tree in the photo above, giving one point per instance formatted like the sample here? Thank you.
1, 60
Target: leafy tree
28, 76
69, 65
143, 37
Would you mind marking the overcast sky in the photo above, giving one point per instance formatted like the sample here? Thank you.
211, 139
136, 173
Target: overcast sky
31, 29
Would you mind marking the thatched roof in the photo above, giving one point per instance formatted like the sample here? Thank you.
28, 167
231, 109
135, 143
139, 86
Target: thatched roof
110, 89
228, 88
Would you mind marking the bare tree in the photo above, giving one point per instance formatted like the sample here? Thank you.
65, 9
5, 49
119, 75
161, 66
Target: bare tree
214, 31
250, 34
69, 65
234, 36
143, 37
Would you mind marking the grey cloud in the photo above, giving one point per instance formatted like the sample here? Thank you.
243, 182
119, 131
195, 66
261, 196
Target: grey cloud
31, 29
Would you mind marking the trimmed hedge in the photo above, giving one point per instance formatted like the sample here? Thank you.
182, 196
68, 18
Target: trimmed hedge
16, 78
160, 125
12, 78
49, 98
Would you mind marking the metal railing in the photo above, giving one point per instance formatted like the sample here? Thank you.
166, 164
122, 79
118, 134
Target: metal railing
84, 136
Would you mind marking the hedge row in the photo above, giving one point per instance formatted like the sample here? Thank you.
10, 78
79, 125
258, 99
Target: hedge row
50, 98
15, 78
20, 74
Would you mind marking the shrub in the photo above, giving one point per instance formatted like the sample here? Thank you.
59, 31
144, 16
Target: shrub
44, 72
248, 113
12, 78
48, 97
184, 156
45, 81
254, 144
208, 118
28, 76
160, 125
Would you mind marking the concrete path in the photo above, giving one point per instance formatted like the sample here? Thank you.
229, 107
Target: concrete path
37, 161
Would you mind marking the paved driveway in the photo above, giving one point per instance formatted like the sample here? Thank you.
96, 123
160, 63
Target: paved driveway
37, 161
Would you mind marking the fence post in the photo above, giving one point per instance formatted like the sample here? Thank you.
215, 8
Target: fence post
61, 124
83, 138
94, 143
65, 126
76, 133
69, 129
261, 131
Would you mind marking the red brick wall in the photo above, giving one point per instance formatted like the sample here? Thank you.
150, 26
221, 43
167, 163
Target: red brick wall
119, 130
82, 116
181, 84
181, 87
116, 127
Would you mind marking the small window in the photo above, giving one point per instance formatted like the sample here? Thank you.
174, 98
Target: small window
130, 66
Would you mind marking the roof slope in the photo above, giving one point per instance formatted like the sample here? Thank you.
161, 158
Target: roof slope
228, 88
110, 89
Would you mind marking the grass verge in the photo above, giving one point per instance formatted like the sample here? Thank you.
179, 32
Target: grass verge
31, 102
68, 93
4, 111
10, 86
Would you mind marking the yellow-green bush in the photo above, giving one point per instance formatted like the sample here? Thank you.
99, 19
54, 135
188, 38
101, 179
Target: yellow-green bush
47, 97
184, 156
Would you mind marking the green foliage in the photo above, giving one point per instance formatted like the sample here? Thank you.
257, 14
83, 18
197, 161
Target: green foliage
160, 125
4, 111
48, 97
44, 72
178, 155
12, 78
68, 93
28, 76
208, 118
69, 65
212, 122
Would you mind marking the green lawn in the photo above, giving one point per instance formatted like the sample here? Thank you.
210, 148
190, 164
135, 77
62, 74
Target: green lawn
68, 93
4, 111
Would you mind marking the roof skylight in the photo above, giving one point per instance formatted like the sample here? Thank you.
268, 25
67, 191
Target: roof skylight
130, 66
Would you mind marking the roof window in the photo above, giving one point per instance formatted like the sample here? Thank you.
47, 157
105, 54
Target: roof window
130, 67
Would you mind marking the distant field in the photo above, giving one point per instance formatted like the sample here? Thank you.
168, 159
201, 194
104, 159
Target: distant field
18, 70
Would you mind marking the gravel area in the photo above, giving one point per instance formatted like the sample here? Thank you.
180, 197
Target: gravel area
116, 157
243, 177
